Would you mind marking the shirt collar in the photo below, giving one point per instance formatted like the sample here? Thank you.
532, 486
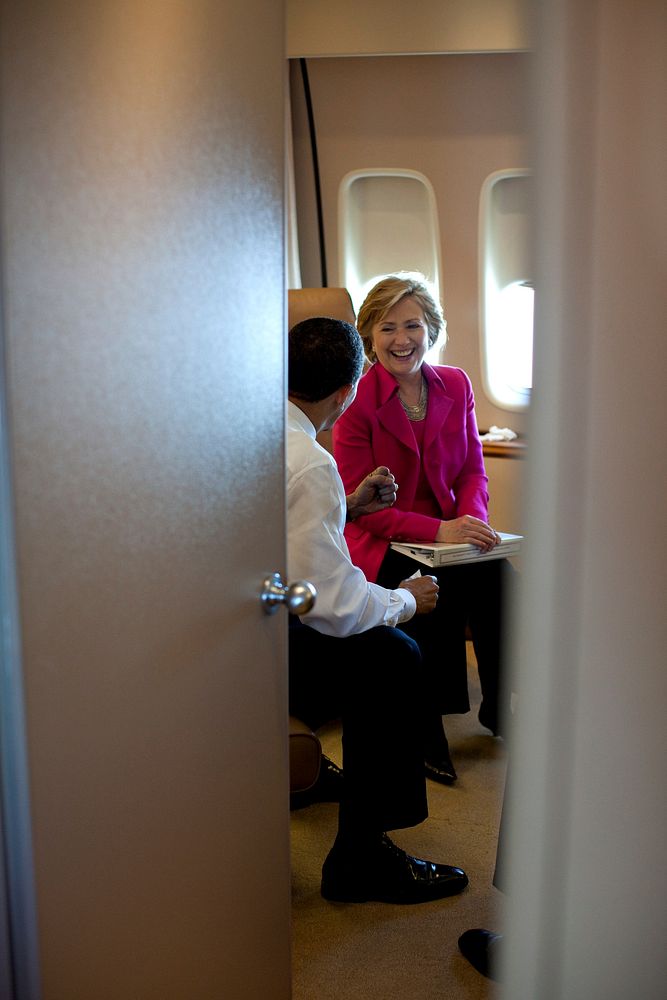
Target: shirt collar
297, 416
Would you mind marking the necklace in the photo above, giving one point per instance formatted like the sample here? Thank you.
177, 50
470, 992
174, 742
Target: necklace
417, 412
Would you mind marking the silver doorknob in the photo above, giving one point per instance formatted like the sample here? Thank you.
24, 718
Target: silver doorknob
299, 597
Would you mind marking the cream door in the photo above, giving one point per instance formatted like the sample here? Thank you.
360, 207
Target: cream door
143, 314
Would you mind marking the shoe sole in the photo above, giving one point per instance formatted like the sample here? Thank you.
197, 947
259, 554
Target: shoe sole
444, 779
452, 888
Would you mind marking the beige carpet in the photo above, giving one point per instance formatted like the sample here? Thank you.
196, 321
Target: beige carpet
374, 951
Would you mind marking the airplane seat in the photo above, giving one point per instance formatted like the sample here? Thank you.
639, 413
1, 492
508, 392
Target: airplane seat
304, 303
305, 756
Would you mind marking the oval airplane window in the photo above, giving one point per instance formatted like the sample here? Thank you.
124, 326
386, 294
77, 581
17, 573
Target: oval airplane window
506, 288
387, 222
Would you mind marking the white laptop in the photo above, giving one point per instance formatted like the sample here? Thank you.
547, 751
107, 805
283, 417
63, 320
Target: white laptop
445, 553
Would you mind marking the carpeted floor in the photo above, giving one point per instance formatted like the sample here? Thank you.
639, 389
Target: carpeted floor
374, 951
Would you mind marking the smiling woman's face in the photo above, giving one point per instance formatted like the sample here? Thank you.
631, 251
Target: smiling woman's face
400, 339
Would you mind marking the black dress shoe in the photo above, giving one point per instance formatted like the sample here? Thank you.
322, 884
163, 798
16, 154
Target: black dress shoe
480, 947
327, 788
441, 770
489, 719
388, 875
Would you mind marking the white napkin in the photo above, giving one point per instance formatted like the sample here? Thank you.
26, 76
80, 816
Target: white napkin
498, 434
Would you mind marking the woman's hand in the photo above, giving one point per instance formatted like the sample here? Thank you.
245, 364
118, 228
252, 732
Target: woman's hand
468, 529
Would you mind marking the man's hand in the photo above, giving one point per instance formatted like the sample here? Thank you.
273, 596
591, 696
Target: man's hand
424, 589
375, 492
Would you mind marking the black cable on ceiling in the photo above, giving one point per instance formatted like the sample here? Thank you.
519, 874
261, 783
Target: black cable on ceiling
316, 170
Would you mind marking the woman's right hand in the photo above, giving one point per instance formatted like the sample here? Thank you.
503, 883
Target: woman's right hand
468, 529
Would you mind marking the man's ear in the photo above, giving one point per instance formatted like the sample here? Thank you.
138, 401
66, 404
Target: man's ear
343, 393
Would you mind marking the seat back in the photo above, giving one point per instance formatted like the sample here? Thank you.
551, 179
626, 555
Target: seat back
303, 303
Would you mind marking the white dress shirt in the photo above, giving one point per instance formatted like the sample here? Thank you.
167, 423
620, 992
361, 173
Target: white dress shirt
316, 548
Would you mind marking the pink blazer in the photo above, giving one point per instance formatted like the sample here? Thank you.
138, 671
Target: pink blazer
374, 431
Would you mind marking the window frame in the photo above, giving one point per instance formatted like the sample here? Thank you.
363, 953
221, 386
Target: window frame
501, 392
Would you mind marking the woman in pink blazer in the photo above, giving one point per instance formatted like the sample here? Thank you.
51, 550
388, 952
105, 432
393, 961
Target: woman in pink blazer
419, 420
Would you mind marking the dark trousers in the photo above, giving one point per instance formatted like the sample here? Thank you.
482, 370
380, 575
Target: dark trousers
471, 594
373, 682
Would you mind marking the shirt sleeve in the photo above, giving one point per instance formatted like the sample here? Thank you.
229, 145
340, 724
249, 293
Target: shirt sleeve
317, 551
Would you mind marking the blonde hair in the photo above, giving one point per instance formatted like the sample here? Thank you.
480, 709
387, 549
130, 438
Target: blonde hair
384, 295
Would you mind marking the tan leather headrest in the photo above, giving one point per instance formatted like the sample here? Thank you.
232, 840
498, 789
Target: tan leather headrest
304, 303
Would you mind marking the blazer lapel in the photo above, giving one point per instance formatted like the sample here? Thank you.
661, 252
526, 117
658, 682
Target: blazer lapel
439, 405
390, 413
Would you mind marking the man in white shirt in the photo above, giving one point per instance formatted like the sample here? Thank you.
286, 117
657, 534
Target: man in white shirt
347, 658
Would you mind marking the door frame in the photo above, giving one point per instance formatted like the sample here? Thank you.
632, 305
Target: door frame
19, 966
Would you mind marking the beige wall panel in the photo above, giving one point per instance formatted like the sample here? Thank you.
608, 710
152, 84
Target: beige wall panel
506, 483
380, 27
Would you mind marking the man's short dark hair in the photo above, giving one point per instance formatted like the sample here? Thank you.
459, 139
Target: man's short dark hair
324, 355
